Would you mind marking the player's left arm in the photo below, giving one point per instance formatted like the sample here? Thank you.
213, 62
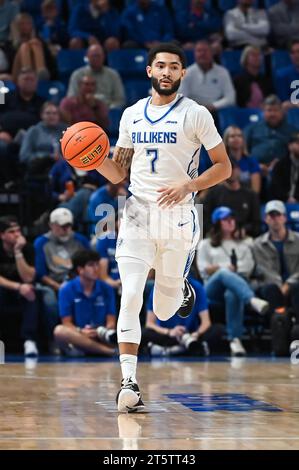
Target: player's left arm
220, 171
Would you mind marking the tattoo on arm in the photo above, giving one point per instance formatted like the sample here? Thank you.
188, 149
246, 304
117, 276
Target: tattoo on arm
123, 156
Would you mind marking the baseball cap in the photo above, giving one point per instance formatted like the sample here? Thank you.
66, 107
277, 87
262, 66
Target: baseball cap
275, 205
221, 213
61, 216
8, 221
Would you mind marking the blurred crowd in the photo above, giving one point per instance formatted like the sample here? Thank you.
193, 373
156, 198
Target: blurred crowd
65, 61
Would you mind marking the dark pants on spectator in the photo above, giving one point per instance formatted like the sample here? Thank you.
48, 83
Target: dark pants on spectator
11, 302
273, 294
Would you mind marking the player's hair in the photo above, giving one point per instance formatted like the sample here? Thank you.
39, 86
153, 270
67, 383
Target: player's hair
166, 47
82, 257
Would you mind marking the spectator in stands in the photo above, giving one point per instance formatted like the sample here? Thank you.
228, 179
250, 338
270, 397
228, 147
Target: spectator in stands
285, 175
86, 305
207, 83
95, 22
252, 86
196, 21
52, 28
60, 175
250, 173
286, 76
145, 24
8, 11
22, 107
243, 201
106, 246
78, 202
109, 86
85, 106
245, 25
276, 253
193, 335
106, 195
268, 139
225, 263
54, 250
40, 146
17, 273
29, 50
284, 20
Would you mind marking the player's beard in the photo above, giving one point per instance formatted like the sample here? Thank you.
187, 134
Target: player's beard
164, 91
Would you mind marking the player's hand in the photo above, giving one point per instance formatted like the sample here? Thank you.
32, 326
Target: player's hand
89, 332
172, 195
27, 291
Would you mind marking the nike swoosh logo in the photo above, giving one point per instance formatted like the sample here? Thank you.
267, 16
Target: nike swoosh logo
136, 120
123, 331
180, 224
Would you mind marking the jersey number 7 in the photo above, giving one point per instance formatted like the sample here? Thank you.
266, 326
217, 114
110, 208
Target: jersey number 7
152, 153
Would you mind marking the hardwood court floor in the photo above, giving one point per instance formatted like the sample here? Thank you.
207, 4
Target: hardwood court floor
245, 404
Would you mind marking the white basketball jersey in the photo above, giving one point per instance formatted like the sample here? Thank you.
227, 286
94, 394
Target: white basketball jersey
166, 141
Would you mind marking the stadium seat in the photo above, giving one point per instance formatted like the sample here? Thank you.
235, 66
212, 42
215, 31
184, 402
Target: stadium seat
136, 89
279, 59
69, 60
114, 118
10, 85
51, 90
240, 117
293, 117
189, 53
128, 62
225, 5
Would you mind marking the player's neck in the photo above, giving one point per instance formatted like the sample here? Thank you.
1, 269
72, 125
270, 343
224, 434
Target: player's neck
160, 100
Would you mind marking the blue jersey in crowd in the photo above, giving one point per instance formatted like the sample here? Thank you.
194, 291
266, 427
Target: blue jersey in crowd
106, 246
85, 310
192, 322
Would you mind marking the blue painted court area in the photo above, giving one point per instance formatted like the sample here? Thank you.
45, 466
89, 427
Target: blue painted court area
221, 402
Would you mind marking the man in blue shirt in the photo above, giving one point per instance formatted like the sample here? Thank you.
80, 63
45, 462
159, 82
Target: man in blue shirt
145, 24
192, 335
86, 305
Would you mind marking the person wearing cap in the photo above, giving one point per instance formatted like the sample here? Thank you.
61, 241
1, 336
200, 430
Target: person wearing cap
276, 253
17, 273
53, 253
87, 310
284, 183
225, 263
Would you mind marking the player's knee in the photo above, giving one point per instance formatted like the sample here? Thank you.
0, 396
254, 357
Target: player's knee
131, 300
60, 332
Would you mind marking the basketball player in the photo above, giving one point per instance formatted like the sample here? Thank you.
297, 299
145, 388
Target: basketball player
159, 139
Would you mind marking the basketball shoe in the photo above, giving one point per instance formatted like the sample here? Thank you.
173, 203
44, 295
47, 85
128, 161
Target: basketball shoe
188, 301
128, 398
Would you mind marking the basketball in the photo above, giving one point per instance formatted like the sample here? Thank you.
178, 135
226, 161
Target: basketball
85, 145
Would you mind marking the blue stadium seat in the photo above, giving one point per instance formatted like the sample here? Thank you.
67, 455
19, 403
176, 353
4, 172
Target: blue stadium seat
225, 5
136, 89
189, 53
293, 117
129, 62
114, 118
279, 59
69, 60
10, 85
240, 117
51, 90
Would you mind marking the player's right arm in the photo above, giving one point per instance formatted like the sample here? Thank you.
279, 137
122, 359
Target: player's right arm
116, 169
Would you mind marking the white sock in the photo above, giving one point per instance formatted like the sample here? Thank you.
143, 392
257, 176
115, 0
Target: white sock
128, 364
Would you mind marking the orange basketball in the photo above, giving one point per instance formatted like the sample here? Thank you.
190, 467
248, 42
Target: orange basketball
85, 145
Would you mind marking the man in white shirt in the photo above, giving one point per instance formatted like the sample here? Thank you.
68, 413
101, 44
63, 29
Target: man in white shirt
206, 82
245, 25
